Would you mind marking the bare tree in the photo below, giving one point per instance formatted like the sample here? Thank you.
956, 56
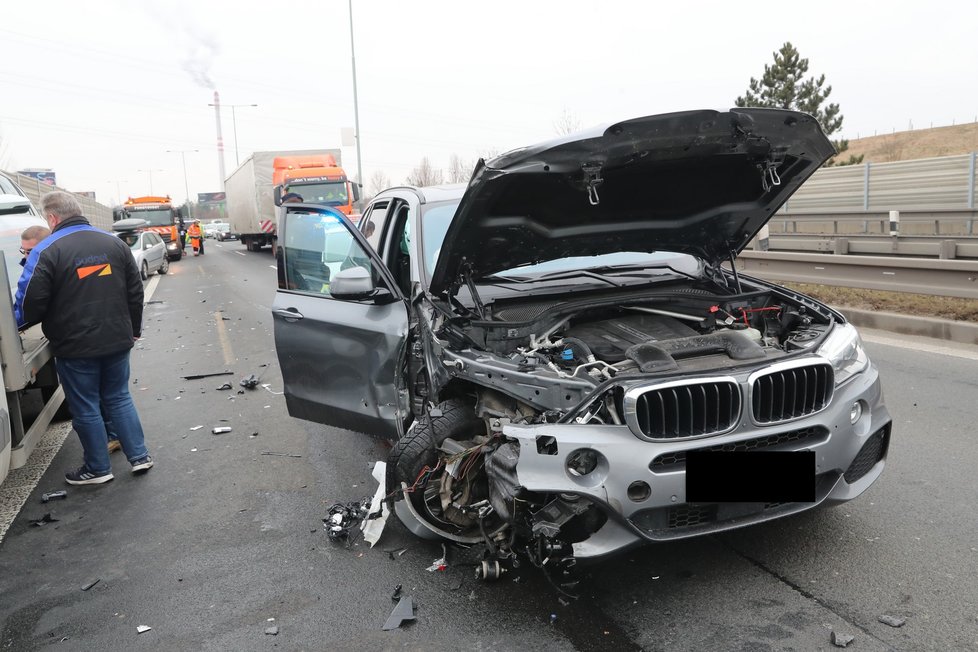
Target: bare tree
379, 181
458, 170
425, 175
567, 123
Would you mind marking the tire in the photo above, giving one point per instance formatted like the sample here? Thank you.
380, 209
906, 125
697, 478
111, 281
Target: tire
164, 266
418, 448
144, 271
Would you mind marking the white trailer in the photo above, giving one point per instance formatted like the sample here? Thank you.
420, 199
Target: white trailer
250, 198
32, 395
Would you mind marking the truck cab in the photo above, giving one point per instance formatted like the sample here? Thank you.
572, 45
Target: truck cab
316, 179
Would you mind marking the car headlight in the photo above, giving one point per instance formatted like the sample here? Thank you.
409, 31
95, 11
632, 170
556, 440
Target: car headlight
844, 351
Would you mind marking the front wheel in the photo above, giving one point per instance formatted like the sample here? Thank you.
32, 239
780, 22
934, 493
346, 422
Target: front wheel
415, 461
164, 266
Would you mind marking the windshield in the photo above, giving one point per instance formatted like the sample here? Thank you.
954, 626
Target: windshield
130, 238
155, 216
326, 194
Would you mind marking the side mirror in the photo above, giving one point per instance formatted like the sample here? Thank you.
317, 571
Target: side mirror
352, 284
356, 191
278, 195
13, 204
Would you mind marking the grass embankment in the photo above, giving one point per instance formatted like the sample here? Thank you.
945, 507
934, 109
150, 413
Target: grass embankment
920, 305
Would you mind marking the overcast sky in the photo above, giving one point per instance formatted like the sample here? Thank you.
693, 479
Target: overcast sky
100, 90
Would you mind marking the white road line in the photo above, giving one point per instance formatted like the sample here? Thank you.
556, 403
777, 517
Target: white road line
240, 253
920, 344
222, 336
150, 288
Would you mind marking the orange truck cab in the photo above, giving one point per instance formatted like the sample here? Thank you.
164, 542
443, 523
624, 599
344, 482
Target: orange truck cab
162, 218
317, 179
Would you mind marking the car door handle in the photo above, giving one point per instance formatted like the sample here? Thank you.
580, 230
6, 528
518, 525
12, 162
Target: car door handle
288, 314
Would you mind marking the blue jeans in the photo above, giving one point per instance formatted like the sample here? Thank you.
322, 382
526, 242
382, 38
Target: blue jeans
94, 383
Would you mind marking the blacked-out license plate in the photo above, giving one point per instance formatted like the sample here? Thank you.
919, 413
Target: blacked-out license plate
750, 477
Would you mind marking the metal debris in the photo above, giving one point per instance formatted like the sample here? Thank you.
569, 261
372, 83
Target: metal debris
53, 495
199, 376
249, 382
280, 454
892, 621
91, 584
197, 427
842, 640
403, 612
221, 430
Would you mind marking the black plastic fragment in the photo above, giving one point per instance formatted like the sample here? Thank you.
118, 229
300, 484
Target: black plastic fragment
91, 584
403, 612
47, 518
225, 386
397, 592
199, 376
249, 382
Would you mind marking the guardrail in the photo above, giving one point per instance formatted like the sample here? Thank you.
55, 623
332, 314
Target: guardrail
924, 246
952, 222
951, 278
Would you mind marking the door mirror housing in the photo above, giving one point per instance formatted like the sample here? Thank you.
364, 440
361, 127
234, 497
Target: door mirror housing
278, 195
352, 284
356, 191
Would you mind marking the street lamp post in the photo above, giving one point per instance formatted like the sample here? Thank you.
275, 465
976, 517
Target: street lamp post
118, 189
183, 157
234, 127
356, 110
151, 171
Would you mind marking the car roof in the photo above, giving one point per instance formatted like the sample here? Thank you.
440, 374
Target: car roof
429, 194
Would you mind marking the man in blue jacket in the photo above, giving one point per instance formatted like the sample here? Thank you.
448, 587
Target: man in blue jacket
82, 285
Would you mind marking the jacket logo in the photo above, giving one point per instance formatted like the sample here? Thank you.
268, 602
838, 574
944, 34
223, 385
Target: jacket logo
101, 270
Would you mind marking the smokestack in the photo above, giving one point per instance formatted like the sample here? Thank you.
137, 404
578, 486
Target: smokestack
220, 140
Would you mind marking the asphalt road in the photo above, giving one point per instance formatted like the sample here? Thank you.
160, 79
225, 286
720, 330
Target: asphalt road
218, 538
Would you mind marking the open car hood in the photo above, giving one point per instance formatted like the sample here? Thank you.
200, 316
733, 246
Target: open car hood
696, 182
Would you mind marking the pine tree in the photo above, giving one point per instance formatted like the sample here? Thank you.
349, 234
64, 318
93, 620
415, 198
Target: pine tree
785, 86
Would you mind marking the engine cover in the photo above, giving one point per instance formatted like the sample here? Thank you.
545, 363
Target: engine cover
610, 338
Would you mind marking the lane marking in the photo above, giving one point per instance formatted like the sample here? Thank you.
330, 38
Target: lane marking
150, 288
275, 267
917, 345
222, 335
239, 253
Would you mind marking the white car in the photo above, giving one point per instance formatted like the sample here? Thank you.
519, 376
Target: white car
147, 247
17, 212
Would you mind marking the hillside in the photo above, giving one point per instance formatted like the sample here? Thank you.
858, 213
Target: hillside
919, 143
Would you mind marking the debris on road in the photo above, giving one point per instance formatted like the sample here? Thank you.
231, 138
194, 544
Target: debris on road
841, 640
91, 584
395, 551
268, 388
272, 631
397, 592
220, 430
376, 517
892, 621
199, 376
254, 434
342, 518
142, 629
249, 382
280, 454
197, 427
53, 495
440, 564
43, 520
403, 612
225, 386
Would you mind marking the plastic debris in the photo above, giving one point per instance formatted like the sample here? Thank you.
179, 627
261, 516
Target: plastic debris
142, 629
199, 376
395, 551
437, 565
376, 518
342, 519
397, 592
272, 631
197, 427
44, 520
280, 454
221, 430
842, 640
225, 386
91, 584
53, 495
403, 612
892, 621
249, 382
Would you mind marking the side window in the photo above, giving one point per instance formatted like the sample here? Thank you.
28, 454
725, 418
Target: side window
398, 246
316, 247
372, 223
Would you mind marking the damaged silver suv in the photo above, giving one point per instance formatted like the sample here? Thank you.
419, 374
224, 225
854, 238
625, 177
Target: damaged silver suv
564, 352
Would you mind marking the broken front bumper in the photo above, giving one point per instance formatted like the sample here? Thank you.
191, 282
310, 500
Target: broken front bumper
849, 458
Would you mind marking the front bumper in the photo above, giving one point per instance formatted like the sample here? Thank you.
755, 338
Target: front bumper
849, 458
